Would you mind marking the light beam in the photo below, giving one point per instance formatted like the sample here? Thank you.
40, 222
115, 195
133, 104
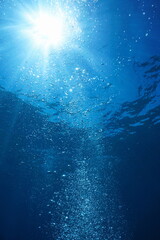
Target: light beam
49, 29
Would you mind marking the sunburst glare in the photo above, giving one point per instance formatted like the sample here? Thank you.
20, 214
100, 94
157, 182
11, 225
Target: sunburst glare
49, 29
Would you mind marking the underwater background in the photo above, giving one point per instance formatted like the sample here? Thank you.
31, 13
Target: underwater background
80, 124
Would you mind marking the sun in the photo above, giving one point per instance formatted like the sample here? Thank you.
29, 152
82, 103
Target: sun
49, 29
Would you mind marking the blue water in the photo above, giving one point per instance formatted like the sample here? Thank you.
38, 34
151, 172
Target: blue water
80, 124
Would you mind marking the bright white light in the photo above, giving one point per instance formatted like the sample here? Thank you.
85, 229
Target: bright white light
50, 29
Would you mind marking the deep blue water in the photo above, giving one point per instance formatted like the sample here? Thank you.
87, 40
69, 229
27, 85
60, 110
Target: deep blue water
80, 125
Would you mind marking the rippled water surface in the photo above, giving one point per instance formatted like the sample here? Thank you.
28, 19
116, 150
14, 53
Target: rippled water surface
80, 120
